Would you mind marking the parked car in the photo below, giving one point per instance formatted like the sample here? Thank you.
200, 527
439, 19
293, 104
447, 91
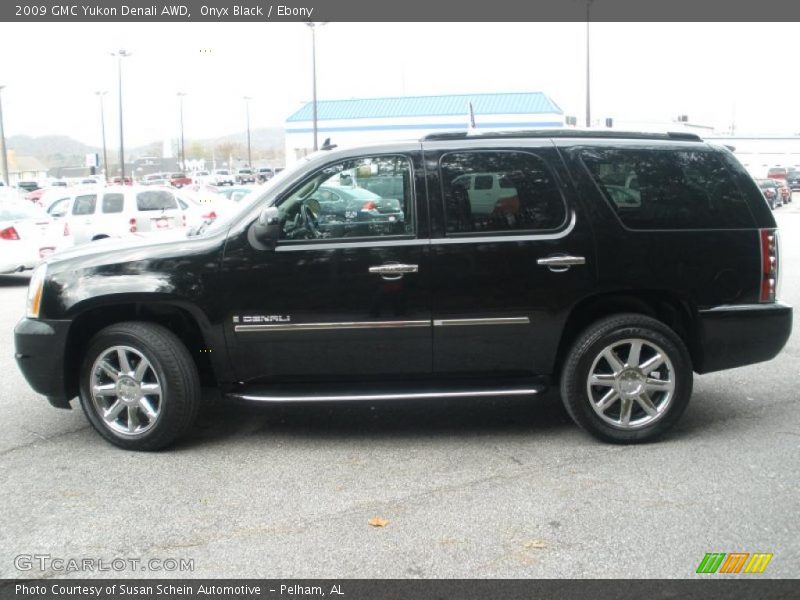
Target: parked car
245, 175
196, 213
264, 174
784, 191
222, 177
27, 186
27, 235
160, 179
616, 303
793, 178
200, 177
119, 211
179, 180
776, 173
349, 211
771, 190
121, 181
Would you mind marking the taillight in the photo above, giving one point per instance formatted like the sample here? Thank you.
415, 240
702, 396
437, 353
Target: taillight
9, 233
369, 205
769, 264
66, 229
210, 216
132, 223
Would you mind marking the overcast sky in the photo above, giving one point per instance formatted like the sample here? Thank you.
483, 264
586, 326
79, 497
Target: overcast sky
715, 73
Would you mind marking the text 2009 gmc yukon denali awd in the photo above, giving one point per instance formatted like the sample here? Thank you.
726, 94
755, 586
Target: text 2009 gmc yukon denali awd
459, 265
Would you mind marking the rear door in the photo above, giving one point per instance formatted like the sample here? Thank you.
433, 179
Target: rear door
81, 220
507, 262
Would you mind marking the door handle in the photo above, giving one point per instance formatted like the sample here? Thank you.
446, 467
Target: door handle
393, 270
561, 262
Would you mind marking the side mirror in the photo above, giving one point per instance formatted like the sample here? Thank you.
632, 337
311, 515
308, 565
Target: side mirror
267, 229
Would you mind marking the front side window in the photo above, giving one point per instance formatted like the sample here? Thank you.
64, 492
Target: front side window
156, 200
84, 205
668, 189
499, 192
364, 197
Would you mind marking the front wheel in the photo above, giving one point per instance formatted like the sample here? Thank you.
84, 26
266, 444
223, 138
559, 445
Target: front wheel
139, 387
627, 379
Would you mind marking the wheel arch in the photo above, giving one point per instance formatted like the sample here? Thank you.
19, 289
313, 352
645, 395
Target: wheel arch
675, 312
179, 319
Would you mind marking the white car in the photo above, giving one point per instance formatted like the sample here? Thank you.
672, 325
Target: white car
28, 235
119, 211
222, 177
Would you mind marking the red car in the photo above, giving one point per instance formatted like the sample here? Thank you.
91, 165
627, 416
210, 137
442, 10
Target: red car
118, 181
777, 173
179, 180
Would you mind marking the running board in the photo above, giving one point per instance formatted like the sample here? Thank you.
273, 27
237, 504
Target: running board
340, 397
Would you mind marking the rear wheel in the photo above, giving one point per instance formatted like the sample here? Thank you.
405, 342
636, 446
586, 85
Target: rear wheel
139, 386
627, 379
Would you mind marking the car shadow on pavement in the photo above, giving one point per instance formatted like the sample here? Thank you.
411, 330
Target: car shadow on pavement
14, 280
381, 420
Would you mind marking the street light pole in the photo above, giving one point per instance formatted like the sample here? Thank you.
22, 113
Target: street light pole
313, 27
247, 112
588, 69
103, 132
120, 55
183, 145
3, 141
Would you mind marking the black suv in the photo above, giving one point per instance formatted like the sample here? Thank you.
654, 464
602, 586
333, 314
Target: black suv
613, 265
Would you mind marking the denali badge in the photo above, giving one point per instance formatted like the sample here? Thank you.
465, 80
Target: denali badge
262, 319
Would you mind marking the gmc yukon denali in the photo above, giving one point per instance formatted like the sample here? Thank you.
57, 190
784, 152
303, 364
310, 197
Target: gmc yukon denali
614, 265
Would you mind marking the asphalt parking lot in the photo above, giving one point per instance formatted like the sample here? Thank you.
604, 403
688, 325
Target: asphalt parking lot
470, 488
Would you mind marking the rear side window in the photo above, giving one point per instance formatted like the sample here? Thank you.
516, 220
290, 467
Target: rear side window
156, 200
112, 203
511, 191
668, 189
84, 205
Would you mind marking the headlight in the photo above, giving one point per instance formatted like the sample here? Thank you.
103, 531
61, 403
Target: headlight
35, 292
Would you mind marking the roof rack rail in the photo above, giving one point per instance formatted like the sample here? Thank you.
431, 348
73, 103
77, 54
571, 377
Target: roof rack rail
563, 133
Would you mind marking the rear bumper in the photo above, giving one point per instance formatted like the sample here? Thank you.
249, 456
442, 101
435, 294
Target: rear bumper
734, 336
40, 350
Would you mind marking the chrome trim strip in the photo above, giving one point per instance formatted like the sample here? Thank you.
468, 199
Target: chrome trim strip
491, 239
341, 244
397, 396
322, 326
498, 321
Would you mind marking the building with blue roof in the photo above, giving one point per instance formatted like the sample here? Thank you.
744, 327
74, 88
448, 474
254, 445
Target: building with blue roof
365, 120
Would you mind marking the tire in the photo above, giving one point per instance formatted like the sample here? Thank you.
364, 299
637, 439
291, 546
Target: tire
657, 395
155, 402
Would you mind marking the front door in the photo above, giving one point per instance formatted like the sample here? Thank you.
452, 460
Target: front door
507, 263
345, 294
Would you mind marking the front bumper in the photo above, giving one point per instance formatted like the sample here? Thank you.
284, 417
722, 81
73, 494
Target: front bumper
734, 336
40, 350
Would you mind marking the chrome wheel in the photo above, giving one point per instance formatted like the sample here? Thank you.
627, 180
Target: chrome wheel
631, 383
125, 391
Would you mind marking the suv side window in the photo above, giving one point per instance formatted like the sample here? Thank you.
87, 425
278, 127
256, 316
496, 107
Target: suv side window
113, 203
363, 197
674, 189
84, 205
511, 191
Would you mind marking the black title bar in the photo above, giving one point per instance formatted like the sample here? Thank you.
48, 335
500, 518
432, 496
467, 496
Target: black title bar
400, 10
